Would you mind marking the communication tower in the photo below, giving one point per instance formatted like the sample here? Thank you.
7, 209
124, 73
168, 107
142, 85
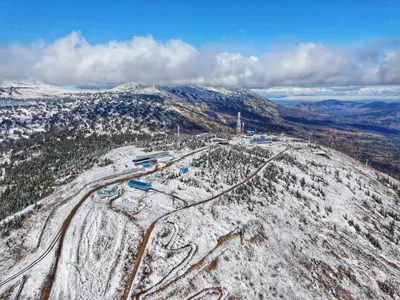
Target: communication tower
239, 125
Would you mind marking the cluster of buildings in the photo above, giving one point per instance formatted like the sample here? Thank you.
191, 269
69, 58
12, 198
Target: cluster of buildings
250, 134
145, 160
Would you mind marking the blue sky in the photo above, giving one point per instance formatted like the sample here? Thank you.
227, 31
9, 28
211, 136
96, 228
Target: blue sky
252, 44
260, 24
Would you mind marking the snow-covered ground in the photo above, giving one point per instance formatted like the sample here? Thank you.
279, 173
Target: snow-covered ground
307, 226
31, 89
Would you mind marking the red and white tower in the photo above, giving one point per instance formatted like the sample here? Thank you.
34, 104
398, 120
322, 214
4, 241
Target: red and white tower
239, 126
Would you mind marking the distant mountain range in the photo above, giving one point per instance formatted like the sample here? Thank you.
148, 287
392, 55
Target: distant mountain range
163, 107
375, 116
362, 130
337, 107
216, 108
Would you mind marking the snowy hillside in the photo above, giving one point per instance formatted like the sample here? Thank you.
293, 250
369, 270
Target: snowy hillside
34, 106
285, 220
136, 88
31, 90
36, 90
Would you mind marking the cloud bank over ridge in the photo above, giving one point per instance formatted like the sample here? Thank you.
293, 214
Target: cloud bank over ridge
71, 60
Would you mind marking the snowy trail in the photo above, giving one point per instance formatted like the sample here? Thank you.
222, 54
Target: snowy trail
208, 292
172, 196
139, 257
208, 258
175, 270
20, 288
35, 262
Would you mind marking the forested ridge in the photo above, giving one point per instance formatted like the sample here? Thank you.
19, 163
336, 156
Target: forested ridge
49, 159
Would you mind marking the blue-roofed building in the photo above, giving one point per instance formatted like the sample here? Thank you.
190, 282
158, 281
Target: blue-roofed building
146, 164
144, 186
184, 170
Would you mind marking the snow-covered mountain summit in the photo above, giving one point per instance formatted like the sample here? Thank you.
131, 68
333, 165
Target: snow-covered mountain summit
193, 107
191, 92
137, 88
31, 89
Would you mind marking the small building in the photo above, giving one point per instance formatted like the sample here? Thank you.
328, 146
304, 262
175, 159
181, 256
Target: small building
140, 158
184, 170
108, 191
321, 153
261, 140
250, 132
161, 166
196, 158
146, 165
144, 186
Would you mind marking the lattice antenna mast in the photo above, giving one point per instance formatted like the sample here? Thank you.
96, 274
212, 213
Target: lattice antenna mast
238, 125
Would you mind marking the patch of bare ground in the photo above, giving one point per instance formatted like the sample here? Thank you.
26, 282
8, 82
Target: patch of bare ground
332, 281
19, 253
7, 293
212, 265
258, 237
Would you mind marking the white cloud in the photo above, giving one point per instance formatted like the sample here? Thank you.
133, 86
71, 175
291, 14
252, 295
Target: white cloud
71, 60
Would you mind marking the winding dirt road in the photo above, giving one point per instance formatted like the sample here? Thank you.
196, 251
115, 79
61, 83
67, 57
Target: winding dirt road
46, 289
208, 291
149, 231
60, 236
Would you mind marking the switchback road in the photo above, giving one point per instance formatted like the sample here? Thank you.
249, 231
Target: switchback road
61, 233
149, 231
